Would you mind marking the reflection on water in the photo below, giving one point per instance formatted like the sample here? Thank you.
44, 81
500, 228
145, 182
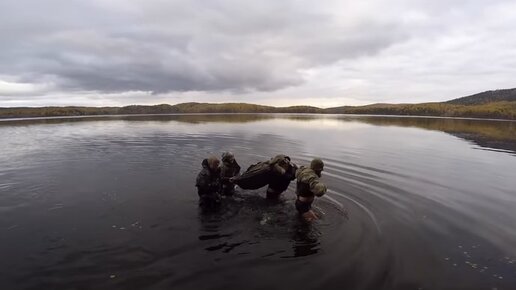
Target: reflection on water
489, 134
485, 133
109, 203
305, 240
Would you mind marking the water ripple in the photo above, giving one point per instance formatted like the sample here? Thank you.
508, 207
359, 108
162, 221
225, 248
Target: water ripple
111, 204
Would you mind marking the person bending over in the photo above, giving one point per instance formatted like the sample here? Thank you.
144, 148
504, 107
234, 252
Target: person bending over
283, 171
308, 187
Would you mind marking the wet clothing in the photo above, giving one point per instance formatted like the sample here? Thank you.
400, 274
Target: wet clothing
230, 168
280, 181
308, 186
283, 172
303, 207
281, 164
208, 185
272, 193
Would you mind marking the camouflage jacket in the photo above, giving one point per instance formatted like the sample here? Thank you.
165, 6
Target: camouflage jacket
283, 167
208, 181
308, 183
229, 169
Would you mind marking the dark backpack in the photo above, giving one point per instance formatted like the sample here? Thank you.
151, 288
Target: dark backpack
256, 176
260, 174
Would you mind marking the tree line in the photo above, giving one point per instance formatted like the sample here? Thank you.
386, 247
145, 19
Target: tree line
493, 110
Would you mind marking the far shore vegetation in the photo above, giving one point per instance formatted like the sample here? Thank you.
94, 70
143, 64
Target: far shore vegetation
498, 104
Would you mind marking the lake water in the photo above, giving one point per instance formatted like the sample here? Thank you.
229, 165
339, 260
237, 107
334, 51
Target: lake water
110, 203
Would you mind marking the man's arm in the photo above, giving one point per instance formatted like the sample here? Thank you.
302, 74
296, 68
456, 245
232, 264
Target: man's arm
316, 186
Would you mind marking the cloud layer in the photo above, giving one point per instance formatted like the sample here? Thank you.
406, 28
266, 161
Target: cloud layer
278, 52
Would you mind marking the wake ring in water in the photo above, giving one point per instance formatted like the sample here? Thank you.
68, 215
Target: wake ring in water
363, 207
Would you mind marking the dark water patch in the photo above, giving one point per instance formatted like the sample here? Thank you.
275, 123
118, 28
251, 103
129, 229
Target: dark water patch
109, 203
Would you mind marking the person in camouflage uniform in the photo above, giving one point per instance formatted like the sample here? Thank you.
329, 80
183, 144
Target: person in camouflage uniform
208, 183
308, 187
283, 171
229, 169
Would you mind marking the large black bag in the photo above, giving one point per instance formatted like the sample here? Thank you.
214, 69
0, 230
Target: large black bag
263, 173
256, 176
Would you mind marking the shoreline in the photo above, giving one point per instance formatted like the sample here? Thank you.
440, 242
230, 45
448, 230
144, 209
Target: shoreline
106, 116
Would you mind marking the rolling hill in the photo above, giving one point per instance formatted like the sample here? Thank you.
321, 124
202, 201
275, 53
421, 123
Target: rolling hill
508, 95
498, 104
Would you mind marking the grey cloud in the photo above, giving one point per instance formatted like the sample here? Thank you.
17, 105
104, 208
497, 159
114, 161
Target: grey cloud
178, 45
380, 50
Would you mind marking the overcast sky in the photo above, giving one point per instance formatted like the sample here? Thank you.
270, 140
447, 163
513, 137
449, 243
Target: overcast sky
278, 52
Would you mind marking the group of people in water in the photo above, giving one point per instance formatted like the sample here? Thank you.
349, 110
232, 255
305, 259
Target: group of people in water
218, 179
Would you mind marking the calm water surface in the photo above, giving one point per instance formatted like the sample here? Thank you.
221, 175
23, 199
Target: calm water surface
110, 203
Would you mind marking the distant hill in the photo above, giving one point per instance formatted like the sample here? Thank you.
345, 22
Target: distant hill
508, 95
300, 109
494, 110
157, 109
499, 104
222, 108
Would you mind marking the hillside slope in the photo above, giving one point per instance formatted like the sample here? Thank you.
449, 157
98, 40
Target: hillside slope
499, 104
507, 95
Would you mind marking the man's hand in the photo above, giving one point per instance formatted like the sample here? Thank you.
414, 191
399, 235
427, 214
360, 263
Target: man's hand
310, 216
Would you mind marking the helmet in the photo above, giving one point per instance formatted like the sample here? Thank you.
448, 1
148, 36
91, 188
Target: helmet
228, 157
317, 164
